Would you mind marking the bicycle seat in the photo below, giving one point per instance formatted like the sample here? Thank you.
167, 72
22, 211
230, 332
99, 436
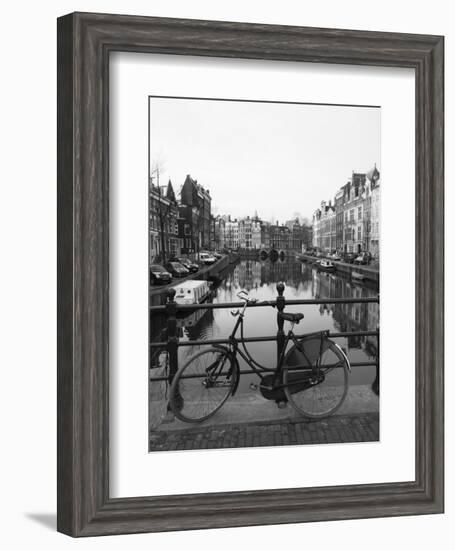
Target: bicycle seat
292, 317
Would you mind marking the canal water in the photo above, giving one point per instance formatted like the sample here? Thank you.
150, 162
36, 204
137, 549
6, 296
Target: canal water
302, 281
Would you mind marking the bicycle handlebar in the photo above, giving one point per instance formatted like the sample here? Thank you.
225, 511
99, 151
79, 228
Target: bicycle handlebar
243, 295
267, 303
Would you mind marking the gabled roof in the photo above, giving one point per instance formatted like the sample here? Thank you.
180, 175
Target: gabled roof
170, 192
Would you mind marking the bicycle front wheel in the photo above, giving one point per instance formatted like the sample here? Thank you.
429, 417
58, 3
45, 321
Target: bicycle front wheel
315, 377
202, 385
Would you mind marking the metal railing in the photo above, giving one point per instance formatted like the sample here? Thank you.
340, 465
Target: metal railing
172, 342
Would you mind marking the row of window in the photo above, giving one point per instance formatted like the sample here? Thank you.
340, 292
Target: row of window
349, 234
170, 226
351, 214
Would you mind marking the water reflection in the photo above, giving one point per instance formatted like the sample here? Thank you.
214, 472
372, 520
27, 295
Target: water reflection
302, 281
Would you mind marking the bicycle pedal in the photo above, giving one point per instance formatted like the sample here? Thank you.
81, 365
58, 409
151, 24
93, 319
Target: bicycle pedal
281, 404
254, 387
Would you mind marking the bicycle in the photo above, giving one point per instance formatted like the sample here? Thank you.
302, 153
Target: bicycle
312, 375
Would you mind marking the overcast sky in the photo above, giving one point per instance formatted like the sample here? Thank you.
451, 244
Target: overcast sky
278, 159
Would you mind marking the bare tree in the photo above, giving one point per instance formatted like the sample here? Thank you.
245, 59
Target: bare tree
158, 165
303, 220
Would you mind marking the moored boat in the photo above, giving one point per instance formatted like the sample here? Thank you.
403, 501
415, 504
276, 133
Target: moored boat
192, 292
325, 265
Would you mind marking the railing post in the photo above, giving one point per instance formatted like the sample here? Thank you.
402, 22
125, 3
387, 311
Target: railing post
172, 336
375, 385
280, 305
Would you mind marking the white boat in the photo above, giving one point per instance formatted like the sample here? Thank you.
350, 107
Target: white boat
325, 265
191, 292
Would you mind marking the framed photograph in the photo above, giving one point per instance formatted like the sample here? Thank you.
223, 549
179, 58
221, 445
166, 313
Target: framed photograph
209, 247
250, 283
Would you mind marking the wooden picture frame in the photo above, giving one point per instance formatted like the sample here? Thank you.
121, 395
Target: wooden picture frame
84, 43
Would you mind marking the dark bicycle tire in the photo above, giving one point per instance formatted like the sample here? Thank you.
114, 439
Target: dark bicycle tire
324, 398
193, 398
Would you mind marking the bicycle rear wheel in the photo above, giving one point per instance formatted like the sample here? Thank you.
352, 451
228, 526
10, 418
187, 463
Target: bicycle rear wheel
202, 385
315, 393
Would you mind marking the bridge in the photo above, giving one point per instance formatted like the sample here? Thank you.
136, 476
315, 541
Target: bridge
264, 253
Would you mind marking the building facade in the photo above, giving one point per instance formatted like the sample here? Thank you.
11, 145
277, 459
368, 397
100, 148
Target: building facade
256, 233
339, 220
232, 234
280, 237
163, 222
249, 233
300, 235
324, 227
355, 223
317, 229
195, 208
265, 236
352, 224
219, 233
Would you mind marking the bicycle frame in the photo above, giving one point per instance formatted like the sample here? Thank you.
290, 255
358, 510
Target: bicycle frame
257, 367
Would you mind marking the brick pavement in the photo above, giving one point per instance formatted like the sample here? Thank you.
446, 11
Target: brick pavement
335, 429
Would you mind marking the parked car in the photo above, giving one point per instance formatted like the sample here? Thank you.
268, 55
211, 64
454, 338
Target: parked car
192, 268
206, 258
217, 255
159, 275
364, 258
176, 269
335, 257
213, 255
320, 254
349, 257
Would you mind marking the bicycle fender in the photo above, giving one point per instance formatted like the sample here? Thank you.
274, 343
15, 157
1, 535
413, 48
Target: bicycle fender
237, 368
344, 355
235, 363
